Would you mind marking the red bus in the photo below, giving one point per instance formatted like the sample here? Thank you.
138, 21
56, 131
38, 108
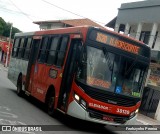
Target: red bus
89, 73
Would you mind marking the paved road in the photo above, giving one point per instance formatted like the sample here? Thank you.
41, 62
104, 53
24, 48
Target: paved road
15, 110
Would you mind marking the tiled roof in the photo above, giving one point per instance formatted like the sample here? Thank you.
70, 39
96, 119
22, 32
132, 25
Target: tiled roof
80, 22
72, 22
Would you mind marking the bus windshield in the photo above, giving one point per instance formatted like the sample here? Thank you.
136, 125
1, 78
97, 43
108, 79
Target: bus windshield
107, 71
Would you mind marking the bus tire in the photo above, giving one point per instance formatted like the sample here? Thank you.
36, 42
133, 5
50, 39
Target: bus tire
19, 86
50, 103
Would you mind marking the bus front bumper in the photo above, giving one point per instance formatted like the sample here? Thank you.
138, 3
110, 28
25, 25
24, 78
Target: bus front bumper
75, 110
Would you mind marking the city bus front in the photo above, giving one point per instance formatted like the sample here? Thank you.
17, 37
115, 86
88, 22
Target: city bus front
109, 80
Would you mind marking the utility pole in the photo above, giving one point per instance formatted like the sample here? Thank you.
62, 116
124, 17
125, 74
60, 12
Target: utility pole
7, 58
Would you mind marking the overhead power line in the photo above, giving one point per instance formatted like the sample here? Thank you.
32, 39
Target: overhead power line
28, 15
2, 8
70, 11
17, 12
20, 10
12, 11
62, 8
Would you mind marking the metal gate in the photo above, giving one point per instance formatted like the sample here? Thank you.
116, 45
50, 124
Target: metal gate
150, 102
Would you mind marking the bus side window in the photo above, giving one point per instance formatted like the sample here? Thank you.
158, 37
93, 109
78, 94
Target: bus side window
23, 48
27, 49
16, 43
20, 48
62, 51
42, 51
52, 52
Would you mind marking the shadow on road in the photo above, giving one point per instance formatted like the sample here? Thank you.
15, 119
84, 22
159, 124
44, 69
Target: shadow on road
71, 123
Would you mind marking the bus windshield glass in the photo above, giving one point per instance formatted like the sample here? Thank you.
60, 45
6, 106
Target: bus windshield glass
107, 71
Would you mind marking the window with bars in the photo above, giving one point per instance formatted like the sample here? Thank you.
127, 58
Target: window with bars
27, 48
15, 48
42, 51
145, 36
22, 48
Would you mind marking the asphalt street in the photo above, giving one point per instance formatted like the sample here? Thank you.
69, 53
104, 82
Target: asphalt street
15, 110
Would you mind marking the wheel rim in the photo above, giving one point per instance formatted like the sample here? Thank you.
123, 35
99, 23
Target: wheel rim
18, 88
51, 103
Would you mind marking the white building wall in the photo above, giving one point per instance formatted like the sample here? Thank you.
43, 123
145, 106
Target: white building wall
42, 27
133, 30
146, 13
57, 25
138, 31
157, 45
51, 26
146, 27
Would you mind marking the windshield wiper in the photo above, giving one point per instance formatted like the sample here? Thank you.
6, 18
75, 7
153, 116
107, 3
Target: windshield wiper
130, 68
108, 59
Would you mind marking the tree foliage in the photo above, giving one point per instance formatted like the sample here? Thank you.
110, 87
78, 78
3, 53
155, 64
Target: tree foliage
5, 29
2, 25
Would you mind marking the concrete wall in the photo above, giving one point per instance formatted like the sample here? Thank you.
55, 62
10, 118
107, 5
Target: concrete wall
145, 11
146, 27
51, 25
138, 17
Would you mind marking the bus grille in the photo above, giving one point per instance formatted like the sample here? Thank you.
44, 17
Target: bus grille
110, 98
99, 115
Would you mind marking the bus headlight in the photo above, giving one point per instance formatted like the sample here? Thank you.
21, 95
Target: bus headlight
136, 111
80, 101
76, 97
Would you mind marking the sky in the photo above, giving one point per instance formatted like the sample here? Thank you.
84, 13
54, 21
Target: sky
22, 13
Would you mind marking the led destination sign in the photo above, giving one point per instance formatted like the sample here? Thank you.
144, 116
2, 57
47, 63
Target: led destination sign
119, 42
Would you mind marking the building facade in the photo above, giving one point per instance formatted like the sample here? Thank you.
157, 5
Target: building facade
141, 21
53, 24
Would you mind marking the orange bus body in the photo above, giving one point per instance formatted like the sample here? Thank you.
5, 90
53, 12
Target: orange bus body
54, 80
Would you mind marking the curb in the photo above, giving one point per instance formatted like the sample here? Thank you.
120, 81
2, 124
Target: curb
148, 121
149, 124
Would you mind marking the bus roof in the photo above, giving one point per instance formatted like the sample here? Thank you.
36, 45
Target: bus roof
24, 34
77, 29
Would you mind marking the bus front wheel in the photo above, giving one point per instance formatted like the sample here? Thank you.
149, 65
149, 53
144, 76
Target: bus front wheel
19, 86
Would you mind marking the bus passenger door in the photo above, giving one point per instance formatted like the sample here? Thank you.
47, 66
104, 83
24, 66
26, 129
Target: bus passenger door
32, 64
68, 73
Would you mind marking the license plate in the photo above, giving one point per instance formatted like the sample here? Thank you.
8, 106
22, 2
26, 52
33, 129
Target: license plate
107, 118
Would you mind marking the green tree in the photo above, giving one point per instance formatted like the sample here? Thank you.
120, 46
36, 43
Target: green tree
14, 30
7, 28
2, 25
6, 31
